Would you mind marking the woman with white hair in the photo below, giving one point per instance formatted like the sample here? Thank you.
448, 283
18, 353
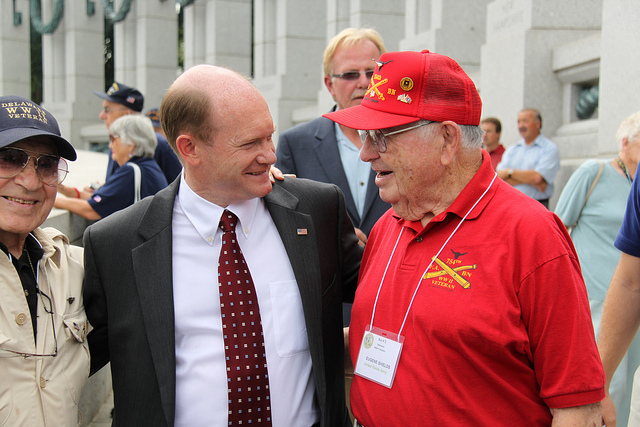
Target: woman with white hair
133, 144
596, 217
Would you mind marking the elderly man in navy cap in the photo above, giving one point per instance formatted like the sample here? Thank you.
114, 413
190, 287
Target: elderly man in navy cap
44, 359
470, 308
120, 100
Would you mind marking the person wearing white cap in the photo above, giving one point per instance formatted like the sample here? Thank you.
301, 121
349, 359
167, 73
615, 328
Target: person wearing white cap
470, 308
44, 359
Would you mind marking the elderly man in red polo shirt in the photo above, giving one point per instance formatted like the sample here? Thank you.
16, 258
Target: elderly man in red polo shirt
470, 308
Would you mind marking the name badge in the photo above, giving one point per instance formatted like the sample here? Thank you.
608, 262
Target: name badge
379, 356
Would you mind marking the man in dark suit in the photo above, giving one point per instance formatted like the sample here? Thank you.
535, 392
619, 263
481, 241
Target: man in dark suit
327, 152
152, 289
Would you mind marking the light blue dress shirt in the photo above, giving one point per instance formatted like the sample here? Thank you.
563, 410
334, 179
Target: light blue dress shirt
541, 156
356, 170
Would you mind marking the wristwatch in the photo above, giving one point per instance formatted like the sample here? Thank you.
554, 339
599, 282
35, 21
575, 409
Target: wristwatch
510, 173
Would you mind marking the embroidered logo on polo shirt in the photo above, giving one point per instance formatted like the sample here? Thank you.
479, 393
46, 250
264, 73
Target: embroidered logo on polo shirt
450, 271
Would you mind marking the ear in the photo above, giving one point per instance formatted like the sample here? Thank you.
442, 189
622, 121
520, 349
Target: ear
186, 146
625, 144
328, 82
452, 139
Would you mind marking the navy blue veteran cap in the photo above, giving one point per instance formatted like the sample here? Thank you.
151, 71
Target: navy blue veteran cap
21, 119
123, 95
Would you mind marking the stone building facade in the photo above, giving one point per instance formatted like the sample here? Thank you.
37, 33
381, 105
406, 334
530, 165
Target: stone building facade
520, 53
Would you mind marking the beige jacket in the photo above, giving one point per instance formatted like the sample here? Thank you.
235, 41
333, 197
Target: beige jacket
44, 390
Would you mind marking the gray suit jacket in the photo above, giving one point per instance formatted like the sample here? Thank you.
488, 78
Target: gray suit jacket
129, 296
310, 150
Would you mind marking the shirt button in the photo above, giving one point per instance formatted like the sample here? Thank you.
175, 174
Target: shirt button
21, 319
362, 184
246, 230
43, 382
419, 239
209, 239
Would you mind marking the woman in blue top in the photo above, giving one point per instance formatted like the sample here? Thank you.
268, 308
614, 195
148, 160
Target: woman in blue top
133, 144
596, 226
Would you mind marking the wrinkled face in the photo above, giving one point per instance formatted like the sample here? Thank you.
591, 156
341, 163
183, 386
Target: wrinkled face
120, 152
528, 125
112, 111
25, 202
359, 58
491, 138
408, 171
234, 164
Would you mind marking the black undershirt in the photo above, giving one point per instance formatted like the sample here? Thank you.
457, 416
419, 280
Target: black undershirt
26, 273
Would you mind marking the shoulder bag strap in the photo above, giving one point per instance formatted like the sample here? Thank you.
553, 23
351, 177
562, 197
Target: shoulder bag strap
137, 177
593, 185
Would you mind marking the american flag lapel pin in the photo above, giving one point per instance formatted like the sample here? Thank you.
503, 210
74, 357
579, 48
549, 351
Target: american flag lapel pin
302, 231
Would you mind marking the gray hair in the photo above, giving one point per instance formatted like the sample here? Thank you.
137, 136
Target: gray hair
136, 130
471, 136
629, 128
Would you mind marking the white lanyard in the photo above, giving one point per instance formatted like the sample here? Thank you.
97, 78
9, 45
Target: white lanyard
380, 350
430, 264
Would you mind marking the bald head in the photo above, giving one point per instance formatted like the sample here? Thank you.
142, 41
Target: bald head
201, 101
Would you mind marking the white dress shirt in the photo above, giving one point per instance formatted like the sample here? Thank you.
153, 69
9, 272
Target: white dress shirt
201, 379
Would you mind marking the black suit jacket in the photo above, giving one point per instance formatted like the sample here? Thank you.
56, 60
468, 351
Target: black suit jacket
129, 296
310, 150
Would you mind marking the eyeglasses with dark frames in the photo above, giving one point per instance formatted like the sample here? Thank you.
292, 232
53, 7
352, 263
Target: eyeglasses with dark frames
48, 308
353, 75
377, 137
51, 169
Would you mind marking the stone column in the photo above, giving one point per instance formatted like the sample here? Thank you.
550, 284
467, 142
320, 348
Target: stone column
619, 86
219, 32
289, 40
452, 28
146, 49
386, 17
15, 70
73, 66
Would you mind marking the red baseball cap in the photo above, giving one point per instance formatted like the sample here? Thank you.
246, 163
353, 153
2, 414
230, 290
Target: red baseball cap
409, 86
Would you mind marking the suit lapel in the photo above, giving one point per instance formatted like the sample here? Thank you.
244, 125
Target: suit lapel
152, 262
372, 194
302, 251
328, 154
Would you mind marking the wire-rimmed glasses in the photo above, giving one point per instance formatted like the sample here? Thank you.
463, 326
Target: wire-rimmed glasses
377, 137
48, 308
51, 169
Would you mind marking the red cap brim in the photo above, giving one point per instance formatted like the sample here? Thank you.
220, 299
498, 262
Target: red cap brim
363, 118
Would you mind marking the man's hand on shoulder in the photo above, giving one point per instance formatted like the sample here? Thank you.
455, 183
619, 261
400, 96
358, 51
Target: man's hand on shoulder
276, 173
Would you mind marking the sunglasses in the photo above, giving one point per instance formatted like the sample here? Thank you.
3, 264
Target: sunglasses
377, 138
353, 75
52, 170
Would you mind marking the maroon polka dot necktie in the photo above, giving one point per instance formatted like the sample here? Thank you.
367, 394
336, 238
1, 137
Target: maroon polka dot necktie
247, 376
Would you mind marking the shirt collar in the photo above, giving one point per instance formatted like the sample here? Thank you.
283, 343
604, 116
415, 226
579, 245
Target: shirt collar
205, 216
31, 244
342, 138
536, 141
